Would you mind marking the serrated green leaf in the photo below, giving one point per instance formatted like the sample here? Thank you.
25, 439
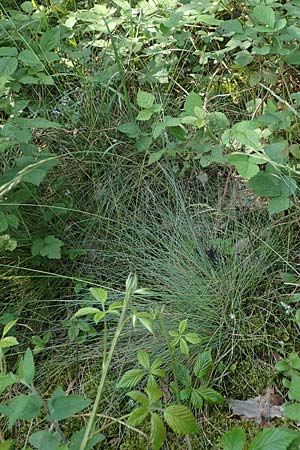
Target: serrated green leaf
144, 359
203, 364
273, 439
146, 324
138, 397
8, 65
7, 445
138, 416
210, 395
130, 129
180, 419
196, 399
98, 317
99, 294
131, 378
158, 431
235, 439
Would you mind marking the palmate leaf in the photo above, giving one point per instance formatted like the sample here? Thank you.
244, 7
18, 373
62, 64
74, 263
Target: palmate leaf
180, 419
131, 378
158, 431
234, 439
273, 439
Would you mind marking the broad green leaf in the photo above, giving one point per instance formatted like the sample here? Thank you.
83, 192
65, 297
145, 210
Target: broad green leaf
273, 439
13, 221
6, 380
24, 407
182, 326
64, 406
293, 58
8, 327
294, 391
99, 316
45, 440
138, 416
138, 397
158, 431
282, 366
144, 99
265, 185
34, 176
8, 65
184, 348
180, 419
193, 338
196, 399
192, 101
244, 164
130, 128
131, 378
232, 26
155, 156
50, 39
245, 133
49, 246
146, 323
234, 439
277, 152
203, 364
279, 204
40, 123
210, 395
7, 445
77, 437
8, 341
8, 51
264, 14
99, 294
243, 58
144, 115
292, 411
29, 58
144, 359
3, 222
86, 311
28, 368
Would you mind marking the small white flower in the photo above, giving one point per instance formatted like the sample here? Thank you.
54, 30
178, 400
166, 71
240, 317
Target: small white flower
232, 316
